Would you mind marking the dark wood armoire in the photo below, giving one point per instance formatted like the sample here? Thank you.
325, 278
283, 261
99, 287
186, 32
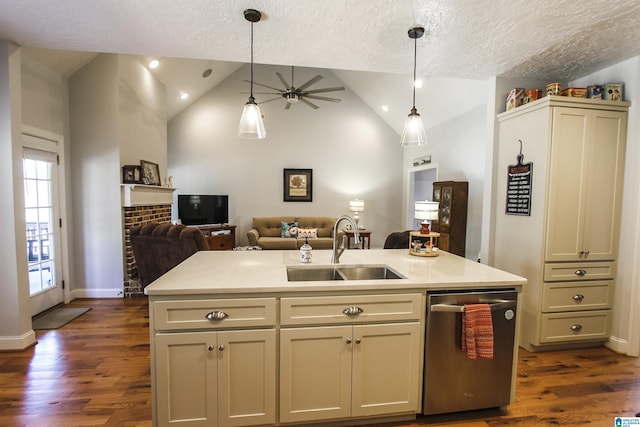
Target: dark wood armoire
452, 215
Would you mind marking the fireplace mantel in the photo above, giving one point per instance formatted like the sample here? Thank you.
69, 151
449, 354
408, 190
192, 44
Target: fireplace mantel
141, 194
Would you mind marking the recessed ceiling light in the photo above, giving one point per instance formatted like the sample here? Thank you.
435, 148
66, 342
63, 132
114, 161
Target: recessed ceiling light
385, 108
184, 95
206, 73
418, 83
153, 64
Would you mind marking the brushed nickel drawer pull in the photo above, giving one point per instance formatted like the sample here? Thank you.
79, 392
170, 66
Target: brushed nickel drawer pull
580, 272
352, 310
576, 328
217, 315
348, 340
578, 297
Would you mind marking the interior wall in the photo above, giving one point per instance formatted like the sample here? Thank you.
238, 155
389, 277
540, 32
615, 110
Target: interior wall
457, 147
15, 316
118, 115
627, 294
352, 152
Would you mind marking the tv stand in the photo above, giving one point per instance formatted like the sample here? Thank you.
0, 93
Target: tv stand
219, 237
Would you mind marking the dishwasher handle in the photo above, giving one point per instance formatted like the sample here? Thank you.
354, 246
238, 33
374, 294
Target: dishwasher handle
454, 308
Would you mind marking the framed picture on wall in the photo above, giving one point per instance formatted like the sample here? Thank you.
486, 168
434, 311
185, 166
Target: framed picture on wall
150, 173
131, 174
298, 185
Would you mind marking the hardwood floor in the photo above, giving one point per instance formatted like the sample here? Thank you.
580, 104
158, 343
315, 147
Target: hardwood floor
95, 371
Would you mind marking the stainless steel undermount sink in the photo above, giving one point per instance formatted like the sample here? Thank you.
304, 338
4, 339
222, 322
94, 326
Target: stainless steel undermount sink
347, 272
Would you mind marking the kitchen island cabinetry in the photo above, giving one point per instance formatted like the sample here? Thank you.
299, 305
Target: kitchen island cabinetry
567, 244
234, 342
214, 376
358, 369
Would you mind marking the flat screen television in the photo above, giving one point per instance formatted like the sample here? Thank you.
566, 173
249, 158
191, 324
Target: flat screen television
200, 209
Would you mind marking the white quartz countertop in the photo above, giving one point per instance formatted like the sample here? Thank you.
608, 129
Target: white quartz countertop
251, 272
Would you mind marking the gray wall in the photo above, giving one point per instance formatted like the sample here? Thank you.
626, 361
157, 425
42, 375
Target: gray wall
352, 152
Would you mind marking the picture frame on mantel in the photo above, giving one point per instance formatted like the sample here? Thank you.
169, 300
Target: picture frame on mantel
131, 174
298, 185
150, 173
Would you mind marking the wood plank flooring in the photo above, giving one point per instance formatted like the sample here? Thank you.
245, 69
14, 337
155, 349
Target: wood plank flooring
95, 371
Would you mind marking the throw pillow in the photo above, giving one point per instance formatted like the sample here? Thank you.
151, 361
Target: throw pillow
311, 233
289, 230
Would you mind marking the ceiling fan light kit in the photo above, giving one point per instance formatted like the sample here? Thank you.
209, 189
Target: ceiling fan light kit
251, 125
413, 134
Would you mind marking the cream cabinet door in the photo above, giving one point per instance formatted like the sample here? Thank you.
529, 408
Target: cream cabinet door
585, 184
186, 372
315, 373
246, 377
386, 368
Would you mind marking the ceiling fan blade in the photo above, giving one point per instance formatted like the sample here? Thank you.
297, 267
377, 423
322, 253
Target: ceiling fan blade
269, 100
284, 82
328, 89
322, 98
309, 103
310, 82
260, 84
262, 93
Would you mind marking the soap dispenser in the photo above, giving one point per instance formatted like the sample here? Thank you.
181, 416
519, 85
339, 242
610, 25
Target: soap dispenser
305, 252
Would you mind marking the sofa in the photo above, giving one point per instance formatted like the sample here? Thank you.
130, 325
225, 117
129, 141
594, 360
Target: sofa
288, 232
157, 248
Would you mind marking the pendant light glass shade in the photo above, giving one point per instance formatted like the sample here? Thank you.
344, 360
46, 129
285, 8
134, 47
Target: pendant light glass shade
251, 125
413, 134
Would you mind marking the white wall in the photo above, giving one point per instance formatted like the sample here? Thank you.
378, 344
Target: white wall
352, 152
118, 116
627, 295
457, 146
15, 316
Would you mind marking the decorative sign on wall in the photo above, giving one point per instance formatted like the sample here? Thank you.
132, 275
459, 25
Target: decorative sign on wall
519, 180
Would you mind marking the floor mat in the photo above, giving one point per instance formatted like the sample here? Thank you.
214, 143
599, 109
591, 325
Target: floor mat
57, 317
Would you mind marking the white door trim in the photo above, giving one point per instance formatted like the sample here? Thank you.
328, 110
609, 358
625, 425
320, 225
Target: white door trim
47, 141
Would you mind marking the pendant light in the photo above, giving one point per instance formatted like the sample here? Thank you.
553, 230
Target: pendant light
413, 134
251, 125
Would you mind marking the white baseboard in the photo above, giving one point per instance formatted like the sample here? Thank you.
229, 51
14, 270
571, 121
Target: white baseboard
618, 345
18, 343
97, 293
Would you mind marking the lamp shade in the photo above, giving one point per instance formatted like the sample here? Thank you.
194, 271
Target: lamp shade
427, 211
356, 205
413, 134
251, 125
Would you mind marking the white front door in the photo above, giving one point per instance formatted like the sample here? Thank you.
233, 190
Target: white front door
41, 199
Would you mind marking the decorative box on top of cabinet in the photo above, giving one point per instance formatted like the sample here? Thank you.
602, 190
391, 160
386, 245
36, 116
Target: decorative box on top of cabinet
452, 215
567, 245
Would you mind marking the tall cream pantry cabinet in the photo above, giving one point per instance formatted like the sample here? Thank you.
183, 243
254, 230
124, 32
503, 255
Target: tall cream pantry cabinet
560, 167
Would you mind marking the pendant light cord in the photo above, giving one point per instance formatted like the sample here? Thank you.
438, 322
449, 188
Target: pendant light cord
251, 98
415, 54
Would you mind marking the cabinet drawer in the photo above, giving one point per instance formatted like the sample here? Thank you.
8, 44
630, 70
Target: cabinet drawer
572, 271
234, 313
331, 310
571, 296
576, 326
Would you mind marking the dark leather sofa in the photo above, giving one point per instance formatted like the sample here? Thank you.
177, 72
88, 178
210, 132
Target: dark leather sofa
158, 248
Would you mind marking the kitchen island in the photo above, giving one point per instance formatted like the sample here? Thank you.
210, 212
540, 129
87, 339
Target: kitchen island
234, 342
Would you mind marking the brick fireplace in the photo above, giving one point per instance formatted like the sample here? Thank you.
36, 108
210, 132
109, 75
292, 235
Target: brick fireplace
141, 204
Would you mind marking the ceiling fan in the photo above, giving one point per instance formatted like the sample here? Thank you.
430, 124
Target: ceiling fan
293, 94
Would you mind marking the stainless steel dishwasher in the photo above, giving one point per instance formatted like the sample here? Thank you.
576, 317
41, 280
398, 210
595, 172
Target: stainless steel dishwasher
453, 382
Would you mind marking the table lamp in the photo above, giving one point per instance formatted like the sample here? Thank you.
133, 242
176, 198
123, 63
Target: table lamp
356, 206
426, 211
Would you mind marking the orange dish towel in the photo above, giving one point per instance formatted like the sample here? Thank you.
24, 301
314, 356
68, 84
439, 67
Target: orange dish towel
477, 331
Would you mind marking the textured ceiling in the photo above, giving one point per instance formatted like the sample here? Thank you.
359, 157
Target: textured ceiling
469, 39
